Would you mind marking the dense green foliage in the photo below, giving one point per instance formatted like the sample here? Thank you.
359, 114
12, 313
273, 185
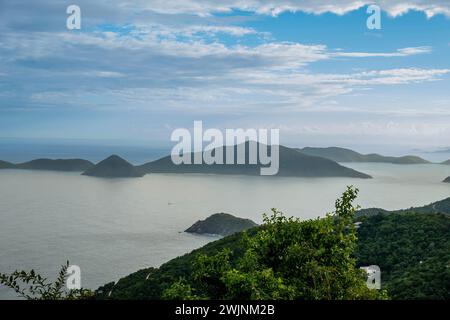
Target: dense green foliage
412, 250
442, 206
285, 259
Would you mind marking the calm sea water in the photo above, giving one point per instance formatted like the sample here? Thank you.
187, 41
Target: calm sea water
112, 227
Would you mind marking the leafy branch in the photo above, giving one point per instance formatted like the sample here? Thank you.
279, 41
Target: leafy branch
32, 286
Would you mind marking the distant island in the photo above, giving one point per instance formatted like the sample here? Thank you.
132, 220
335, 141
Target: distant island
223, 224
446, 162
50, 164
447, 180
114, 167
292, 164
56, 165
6, 165
442, 206
346, 155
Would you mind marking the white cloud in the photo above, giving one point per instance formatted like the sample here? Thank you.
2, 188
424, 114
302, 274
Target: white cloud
404, 52
193, 74
231, 30
271, 7
103, 74
378, 128
402, 76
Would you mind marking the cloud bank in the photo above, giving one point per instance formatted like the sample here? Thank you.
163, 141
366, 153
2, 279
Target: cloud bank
191, 56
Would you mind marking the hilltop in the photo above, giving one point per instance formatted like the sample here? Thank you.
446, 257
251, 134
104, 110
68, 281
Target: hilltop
292, 164
223, 224
442, 206
346, 155
447, 180
114, 167
6, 165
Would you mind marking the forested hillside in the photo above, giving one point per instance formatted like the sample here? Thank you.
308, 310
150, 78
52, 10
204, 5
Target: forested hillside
411, 248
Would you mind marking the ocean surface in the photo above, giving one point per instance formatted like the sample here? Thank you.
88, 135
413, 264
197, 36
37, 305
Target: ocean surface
112, 227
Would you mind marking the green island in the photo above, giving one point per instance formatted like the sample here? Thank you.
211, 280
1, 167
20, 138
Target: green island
223, 224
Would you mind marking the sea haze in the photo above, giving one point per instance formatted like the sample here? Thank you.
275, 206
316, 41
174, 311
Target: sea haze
111, 227
22, 150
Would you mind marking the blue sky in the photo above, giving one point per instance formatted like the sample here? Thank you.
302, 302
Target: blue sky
139, 69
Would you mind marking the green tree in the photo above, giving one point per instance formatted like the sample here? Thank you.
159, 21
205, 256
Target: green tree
290, 259
179, 290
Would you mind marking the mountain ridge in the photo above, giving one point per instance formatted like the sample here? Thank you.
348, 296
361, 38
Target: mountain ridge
6, 165
49, 164
339, 154
114, 167
291, 163
442, 206
55, 164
